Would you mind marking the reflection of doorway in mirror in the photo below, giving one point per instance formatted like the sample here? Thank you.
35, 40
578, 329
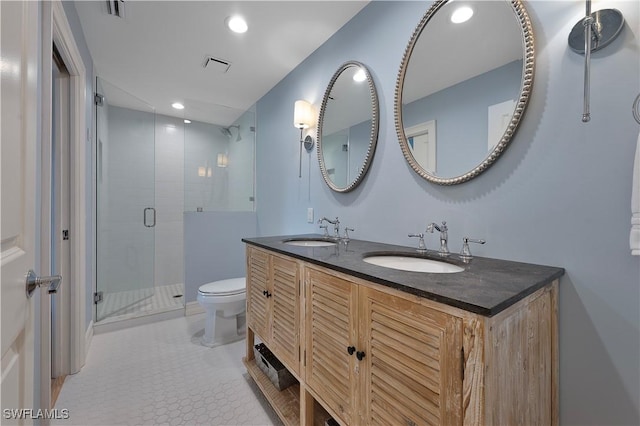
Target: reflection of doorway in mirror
422, 142
499, 117
335, 151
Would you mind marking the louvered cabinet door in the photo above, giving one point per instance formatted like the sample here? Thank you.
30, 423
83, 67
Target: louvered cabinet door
413, 371
285, 317
258, 305
331, 328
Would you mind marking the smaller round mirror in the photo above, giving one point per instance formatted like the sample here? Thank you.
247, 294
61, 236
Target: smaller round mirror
348, 127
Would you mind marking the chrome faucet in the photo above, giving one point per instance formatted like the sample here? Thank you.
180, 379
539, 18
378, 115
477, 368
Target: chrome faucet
336, 226
421, 245
444, 236
326, 232
465, 253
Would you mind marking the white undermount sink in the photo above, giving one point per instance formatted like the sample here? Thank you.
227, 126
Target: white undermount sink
310, 242
413, 264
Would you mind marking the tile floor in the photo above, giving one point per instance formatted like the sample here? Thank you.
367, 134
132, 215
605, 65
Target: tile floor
158, 374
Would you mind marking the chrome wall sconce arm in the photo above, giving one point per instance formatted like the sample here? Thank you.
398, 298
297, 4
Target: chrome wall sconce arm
592, 33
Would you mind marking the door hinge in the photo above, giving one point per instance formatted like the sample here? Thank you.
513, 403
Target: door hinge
98, 99
65, 234
97, 297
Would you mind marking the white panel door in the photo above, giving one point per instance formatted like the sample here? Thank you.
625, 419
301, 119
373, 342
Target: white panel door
18, 124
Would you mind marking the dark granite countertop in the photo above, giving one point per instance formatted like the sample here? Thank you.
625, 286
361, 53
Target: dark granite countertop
486, 286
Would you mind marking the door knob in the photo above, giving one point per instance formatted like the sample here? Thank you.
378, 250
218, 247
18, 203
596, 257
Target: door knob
33, 281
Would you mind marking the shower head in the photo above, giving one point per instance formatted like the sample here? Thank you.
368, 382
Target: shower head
227, 132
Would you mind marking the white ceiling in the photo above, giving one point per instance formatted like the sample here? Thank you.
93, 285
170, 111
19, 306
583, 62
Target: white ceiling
156, 52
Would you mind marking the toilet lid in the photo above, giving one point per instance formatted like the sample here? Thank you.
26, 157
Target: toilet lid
224, 287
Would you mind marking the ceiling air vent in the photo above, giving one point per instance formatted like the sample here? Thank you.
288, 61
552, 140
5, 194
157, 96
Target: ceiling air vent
115, 8
216, 64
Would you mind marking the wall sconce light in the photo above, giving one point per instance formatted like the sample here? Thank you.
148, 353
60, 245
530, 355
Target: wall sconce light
303, 119
202, 171
593, 32
223, 160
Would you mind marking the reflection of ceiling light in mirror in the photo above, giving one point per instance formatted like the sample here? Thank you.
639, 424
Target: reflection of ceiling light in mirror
187, 121
237, 24
359, 76
177, 105
461, 14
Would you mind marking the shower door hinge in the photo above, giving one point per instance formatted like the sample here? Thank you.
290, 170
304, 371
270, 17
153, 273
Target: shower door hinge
65, 234
97, 297
98, 99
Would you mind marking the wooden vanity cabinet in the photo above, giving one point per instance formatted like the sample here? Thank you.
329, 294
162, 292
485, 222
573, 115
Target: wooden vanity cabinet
273, 304
375, 358
370, 354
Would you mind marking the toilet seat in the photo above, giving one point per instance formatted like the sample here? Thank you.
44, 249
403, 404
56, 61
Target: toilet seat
230, 287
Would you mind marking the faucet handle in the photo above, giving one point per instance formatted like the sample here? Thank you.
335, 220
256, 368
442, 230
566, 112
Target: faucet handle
346, 233
326, 231
465, 253
421, 245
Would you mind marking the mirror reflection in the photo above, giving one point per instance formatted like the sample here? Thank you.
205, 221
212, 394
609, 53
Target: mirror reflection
348, 127
463, 86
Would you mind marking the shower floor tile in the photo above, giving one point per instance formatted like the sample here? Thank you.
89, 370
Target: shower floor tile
130, 304
159, 374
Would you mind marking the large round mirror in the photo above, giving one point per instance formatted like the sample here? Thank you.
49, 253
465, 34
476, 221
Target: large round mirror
463, 86
348, 127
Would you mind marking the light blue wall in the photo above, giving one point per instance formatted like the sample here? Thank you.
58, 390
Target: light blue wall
560, 195
213, 248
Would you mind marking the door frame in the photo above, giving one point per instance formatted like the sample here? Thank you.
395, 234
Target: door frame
56, 29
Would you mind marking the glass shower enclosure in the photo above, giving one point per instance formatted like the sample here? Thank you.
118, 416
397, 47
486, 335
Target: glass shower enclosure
125, 201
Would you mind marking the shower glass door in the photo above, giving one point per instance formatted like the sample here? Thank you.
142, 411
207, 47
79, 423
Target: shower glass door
125, 198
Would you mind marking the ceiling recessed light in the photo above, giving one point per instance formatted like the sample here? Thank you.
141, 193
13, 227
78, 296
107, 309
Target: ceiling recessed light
237, 24
177, 105
187, 121
461, 14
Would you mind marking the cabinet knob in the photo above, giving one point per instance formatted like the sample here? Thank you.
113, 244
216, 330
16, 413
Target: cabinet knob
351, 349
360, 355
269, 294
265, 292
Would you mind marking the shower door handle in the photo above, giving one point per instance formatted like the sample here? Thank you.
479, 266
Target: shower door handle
144, 217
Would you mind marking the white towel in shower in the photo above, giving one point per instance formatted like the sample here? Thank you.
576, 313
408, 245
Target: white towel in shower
634, 237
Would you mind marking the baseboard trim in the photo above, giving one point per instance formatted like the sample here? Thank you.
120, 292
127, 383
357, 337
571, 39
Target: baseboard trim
88, 337
193, 308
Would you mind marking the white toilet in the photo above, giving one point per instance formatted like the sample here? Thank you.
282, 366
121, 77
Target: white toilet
225, 304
